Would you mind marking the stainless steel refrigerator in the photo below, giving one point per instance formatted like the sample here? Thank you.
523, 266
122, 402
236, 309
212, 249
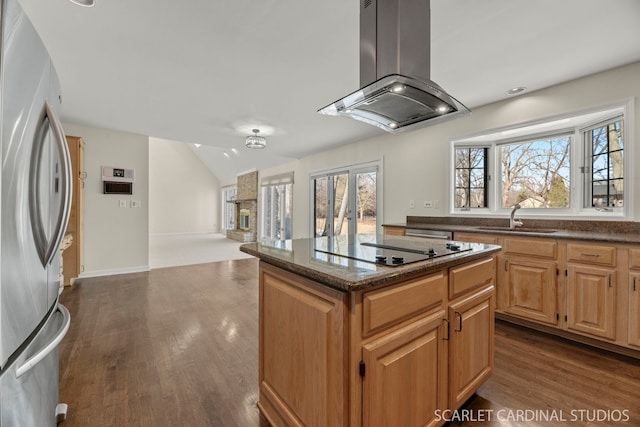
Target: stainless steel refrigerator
34, 210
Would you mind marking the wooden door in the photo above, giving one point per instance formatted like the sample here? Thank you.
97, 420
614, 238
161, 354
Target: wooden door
591, 300
405, 375
72, 256
531, 289
470, 345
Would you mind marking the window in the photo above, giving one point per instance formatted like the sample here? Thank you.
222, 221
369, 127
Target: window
535, 173
568, 166
277, 207
229, 195
604, 171
471, 177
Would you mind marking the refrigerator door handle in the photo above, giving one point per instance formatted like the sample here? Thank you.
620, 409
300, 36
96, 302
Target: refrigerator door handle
51, 345
47, 249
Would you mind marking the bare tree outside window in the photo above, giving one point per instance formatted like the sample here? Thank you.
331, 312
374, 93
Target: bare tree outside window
471, 178
607, 165
536, 174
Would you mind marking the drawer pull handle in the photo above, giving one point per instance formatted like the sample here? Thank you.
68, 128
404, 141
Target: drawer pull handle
609, 280
446, 335
459, 315
634, 284
592, 255
506, 265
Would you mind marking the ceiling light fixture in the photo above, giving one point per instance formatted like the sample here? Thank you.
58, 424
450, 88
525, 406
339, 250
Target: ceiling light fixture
224, 153
84, 3
197, 145
255, 141
516, 90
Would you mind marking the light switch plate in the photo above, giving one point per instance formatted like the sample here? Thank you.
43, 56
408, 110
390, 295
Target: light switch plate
123, 203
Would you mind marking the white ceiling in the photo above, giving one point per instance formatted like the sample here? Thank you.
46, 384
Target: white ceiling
208, 71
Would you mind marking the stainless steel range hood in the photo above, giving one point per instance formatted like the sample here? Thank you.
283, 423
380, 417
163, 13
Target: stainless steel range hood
397, 91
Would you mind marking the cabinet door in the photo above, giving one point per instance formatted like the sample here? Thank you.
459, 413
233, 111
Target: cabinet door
394, 231
530, 289
405, 375
302, 370
470, 345
634, 309
591, 299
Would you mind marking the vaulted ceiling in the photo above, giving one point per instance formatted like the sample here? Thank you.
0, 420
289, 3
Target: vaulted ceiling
208, 71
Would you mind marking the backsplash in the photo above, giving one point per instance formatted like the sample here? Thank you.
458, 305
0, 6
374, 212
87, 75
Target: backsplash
626, 227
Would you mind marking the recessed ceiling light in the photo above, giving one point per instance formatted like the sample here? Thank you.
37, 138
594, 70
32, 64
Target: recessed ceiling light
397, 88
442, 109
516, 90
197, 145
393, 125
84, 3
225, 154
234, 151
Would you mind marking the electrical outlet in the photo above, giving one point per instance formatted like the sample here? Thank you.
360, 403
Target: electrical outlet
412, 204
135, 203
123, 203
428, 204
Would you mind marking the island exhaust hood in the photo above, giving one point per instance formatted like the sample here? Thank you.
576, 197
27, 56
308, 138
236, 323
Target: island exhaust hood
395, 62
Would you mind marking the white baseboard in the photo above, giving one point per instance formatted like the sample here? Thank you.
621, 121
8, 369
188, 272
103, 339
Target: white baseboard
113, 272
185, 233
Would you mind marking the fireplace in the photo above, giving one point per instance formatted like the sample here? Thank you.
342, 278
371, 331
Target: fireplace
244, 219
246, 212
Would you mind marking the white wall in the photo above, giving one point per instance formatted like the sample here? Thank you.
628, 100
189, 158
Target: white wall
184, 196
415, 163
115, 239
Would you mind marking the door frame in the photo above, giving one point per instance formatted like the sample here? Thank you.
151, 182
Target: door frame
351, 171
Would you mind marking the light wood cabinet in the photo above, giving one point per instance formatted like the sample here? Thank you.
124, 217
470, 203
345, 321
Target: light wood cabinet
380, 357
406, 375
634, 297
634, 309
302, 370
592, 289
591, 300
476, 238
528, 285
530, 288
394, 231
470, 344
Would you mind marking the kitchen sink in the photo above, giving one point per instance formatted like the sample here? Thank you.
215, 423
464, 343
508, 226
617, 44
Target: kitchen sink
520, 229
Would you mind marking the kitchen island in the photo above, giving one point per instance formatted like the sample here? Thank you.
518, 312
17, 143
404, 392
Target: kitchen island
396, 341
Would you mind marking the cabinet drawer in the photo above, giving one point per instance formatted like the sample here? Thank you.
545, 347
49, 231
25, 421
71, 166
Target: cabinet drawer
470, 276
476, 238
387, 306
535, 247
634, 258
591, 254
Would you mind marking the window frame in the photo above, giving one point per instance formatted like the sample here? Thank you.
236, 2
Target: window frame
269, 184
576, 124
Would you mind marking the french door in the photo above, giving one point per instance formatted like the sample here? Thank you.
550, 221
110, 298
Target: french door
347, 201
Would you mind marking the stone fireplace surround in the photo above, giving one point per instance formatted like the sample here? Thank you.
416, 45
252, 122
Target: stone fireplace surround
247, 198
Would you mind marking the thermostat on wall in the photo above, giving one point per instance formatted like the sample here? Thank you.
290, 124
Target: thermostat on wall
117, 174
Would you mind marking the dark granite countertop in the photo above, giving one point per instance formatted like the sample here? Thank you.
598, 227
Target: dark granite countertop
299, 256
600, 231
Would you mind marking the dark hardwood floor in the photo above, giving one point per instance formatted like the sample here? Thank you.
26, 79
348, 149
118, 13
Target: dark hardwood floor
179, 346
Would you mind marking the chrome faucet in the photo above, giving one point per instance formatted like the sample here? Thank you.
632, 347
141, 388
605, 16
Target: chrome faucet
513, 223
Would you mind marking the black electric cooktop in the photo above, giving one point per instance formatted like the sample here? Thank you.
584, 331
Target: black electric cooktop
388, 250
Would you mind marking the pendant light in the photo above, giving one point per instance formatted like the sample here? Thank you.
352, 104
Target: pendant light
255, 141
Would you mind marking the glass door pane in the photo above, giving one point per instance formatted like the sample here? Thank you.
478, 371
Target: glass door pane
321, 203
341, 211
366, 202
